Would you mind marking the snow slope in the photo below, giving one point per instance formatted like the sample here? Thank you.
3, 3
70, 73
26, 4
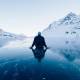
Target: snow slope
6, 37
68, 25
64, 35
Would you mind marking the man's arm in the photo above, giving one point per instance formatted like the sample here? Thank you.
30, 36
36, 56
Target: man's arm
33, 44
45, 43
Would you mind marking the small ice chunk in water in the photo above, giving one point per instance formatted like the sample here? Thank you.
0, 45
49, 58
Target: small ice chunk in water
43, 78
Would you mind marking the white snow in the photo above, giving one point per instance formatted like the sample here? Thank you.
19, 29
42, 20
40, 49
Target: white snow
66, 29
6, 37
63, 35
20, 43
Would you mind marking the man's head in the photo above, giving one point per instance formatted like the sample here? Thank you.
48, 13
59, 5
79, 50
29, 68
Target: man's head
39, 33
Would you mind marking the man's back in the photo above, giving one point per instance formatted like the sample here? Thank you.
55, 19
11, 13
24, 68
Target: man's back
39, 42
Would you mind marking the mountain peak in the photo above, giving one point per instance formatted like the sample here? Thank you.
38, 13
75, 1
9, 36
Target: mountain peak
70, 23
70, 16
70, 19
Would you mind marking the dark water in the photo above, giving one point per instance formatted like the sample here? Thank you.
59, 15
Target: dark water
23, 64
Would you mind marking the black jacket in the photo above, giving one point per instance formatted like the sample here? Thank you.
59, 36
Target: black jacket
39, 42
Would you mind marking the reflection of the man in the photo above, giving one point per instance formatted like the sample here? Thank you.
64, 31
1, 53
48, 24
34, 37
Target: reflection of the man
39, 53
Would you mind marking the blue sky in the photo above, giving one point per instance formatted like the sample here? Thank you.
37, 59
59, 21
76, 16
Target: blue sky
30, 16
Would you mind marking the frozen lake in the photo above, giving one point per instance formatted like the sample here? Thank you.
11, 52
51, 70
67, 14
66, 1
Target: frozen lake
22, 64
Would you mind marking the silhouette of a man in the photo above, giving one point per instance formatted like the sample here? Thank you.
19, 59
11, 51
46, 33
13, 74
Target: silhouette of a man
39, 42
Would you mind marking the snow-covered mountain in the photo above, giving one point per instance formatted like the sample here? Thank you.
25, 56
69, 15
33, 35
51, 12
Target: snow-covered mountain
6, 37
70, 24
64, 34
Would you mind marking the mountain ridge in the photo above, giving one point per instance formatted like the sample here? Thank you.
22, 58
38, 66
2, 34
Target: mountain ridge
71, 22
